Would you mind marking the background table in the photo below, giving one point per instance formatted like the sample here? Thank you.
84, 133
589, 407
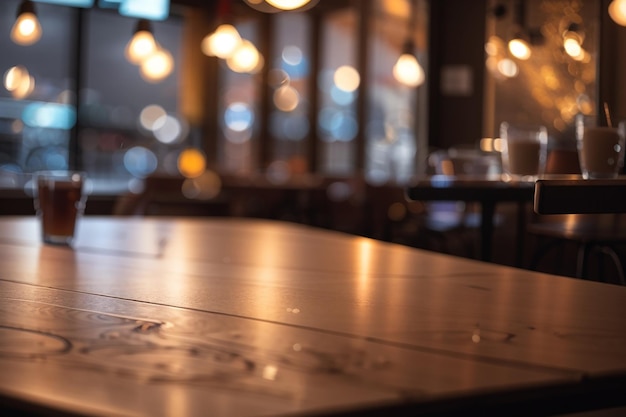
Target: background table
489, 192
183, 317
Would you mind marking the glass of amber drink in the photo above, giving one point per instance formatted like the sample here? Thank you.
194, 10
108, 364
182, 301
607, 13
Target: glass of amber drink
59, 198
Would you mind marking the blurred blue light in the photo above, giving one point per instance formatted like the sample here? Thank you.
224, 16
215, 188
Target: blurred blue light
347, 128
238, 117
296, 70
140, 161
145, 9
72, 3
341, 97
109, 4
329, 119
49, 115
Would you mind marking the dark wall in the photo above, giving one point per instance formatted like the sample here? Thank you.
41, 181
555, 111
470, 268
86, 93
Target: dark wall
457, 69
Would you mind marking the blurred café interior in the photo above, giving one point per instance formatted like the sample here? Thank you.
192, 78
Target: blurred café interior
318, 112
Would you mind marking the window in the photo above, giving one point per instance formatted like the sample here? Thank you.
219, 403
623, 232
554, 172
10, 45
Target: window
395, 129
38, 117
322, 99
557, 81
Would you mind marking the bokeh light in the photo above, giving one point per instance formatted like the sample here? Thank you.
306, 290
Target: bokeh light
140, 161
157, 66
26, 30
292, 55
140, 47
169, 130
206, 186
341, 97
286, 98
49, 115
408, 71
508, 68
293, 62
238, 117
245, 58
520, 49
339, 125
347, 78
25, 88
222, 43
150, 115
572, 47
19, 82
191, 163
287, 4
14, 76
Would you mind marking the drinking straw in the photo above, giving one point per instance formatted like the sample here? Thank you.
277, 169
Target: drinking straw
607, 114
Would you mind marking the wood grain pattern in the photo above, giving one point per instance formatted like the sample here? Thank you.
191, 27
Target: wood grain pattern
246, 317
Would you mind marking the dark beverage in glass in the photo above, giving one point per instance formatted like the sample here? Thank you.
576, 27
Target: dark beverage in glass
59, 201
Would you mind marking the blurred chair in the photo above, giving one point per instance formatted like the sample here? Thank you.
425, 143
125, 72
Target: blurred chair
452, 225
587, 214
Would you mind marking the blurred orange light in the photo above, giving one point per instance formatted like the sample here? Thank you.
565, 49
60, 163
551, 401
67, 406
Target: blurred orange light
191, 163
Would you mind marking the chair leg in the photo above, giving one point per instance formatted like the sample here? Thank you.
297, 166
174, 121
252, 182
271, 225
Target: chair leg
611, 253
581, 261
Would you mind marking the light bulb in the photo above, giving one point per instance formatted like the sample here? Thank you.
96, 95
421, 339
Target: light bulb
572, 47
245, 58
140, 47
408, 71
519, 48
287, 4
15, 76
222, 43
617, 11
508, 68
26, 30
25, 88
157, 66
347, 78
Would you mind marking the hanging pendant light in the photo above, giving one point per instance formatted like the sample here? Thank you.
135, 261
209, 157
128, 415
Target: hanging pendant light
617, 11
222, 43
287, 4
519, 47
519, 44
225, 40
407, 69
157, 66
142, 44
26, 29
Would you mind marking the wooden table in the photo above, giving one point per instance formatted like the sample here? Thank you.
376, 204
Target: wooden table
489, 192
225, 317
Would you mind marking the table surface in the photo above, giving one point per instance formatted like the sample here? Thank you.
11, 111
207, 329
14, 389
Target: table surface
171, 316
477, 187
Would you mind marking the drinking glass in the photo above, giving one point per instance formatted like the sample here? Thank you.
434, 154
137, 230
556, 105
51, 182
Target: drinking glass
600, 148
524, 150
59, 198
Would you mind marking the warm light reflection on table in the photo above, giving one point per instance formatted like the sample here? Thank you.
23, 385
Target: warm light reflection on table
252, 317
